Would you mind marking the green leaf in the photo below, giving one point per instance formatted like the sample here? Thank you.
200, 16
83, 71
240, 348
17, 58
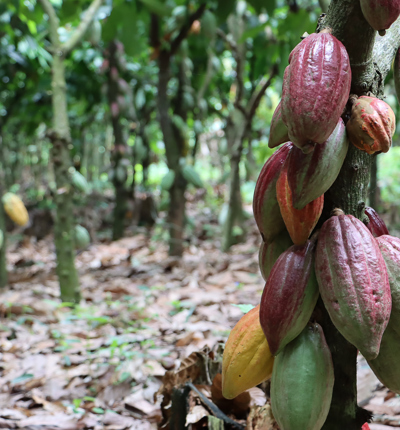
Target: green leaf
245, 308
156, 7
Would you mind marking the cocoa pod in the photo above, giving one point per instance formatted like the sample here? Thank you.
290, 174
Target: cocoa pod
380, 14
265, 205
390, 250
270, 252
15, 209
353, 282
371, 125
311, 175
365, 427
386, 365
302, 382
316, 86
299, 222
278, 132
247, 360
376, 224
289, 297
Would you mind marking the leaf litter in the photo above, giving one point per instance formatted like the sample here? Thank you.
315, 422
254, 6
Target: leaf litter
149, 326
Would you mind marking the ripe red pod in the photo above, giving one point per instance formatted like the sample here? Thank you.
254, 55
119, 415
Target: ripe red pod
380, 14
299, 222
371, 125
353, 282
376, 224
265, 205
289, 297
316, 86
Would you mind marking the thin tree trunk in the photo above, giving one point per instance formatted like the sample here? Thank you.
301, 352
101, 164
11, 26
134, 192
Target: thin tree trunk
349, 192
3, 261
373, 186
64, 222
119, 179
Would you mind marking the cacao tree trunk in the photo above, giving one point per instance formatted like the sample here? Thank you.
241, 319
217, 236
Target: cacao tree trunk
373, 186
61, 160
370, 65
3, 262
119, 180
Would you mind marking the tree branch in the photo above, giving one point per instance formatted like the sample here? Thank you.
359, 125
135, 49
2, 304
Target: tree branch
186, 27
53, 22
79, 32
208, 76
257, 96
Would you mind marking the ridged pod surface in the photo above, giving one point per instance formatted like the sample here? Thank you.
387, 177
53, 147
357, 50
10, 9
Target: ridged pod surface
270, 252
15, 209
390, 249
278, 132
353, 282
302, 382
371, 125
380, 14
265, 205
299, 222
376, 224
387, 365
311, 175
247, 360
289, 297
316, 86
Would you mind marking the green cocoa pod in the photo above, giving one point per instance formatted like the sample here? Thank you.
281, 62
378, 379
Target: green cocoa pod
302, 382
81, 236
79, 181
168, 180
278, 132
387, 365
270, 252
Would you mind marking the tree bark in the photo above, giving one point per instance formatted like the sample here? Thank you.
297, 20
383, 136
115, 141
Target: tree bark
3, 261
119, 179
349, 192
60, 155
373, 186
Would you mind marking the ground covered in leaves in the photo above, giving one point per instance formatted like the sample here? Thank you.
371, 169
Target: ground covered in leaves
147, 323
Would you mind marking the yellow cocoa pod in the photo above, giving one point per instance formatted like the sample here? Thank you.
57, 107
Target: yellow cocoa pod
247, 360
15, 209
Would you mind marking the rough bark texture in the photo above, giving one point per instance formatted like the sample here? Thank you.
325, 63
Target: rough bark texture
64, 222
121, 193
369, 67
373, 186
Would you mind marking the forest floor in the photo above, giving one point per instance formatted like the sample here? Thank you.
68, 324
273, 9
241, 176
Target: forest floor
110, 362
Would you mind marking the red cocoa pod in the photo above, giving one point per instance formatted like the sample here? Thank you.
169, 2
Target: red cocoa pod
289, 297
353, 282
365, 427
380, 14
376, 224
265, 205
278, 132
299, 222
390, 249
316, 86
371, 125
270, 252
387, 365
311, 175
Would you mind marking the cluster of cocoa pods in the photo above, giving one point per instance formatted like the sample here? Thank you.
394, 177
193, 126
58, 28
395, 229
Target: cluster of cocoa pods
354, 267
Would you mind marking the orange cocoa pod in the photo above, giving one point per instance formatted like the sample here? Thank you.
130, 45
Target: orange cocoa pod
247, 360
299, 222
